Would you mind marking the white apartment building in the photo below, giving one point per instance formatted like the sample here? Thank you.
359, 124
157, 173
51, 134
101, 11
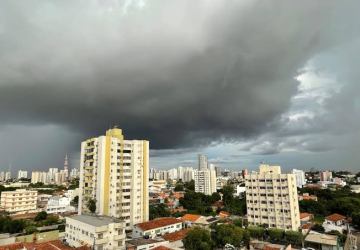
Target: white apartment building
39, 176
22, 174
205, 181
115, 173
98, 232
58, 204
271, 198
18, 201
300, 177
203, 162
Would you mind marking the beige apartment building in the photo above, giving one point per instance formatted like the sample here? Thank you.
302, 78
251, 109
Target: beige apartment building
20, 200
114, 172
272, 199
97, 232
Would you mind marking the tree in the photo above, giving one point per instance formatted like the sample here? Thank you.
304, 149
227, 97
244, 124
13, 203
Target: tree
256, 231
318, 228
40, 216
215, 197
228, 194
190, 185
198, 239
294, 238
91, 205
75, 201
230, 234
356, 219
276, 235
179, 187
157, 211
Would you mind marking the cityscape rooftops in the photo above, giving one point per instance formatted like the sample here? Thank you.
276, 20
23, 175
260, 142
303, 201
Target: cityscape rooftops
191, 217
160, 222
179, 235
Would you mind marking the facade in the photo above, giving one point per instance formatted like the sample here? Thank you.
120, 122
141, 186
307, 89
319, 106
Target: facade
115, 173
98, 232
335, 222
19, 200
203, 162
156, 227
300, 177
271, 198
38, 176
22, 174
205, 181
58, 204
325, 175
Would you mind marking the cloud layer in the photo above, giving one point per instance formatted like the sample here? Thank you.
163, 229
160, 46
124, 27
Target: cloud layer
179, 73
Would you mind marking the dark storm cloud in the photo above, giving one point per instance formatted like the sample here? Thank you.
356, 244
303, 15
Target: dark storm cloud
179, 73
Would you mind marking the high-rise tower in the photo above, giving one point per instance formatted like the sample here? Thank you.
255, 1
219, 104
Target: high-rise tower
114, 173
66, 167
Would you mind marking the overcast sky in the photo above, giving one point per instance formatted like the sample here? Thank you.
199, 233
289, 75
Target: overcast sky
242, 81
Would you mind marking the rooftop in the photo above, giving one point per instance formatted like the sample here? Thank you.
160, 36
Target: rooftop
304, 215
324, 239
335, 217
191, 217
96, 221
142, 241
179, 235
160, 222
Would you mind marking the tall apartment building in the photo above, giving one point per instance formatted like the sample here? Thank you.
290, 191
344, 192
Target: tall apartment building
22, 174
325, 175
205, 181
271, 198
39, 176
203, 162
114, 172
18, 200
300, 177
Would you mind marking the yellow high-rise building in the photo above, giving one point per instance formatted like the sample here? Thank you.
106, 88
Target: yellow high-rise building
114, 172
272, 199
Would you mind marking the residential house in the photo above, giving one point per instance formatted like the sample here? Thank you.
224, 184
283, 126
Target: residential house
157, 227
336, 222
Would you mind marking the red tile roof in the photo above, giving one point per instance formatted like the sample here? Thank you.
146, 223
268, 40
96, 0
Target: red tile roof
224, 214
50, 245
191, 217
161, 248
160, 222
304, 215
335, 217
179, 235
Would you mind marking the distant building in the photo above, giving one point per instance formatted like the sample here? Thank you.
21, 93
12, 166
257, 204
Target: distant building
66, 167
203, 162
19, 200
307, 196
156, 227
316, 240
271, 198
325, 175
7, 176
58, 204
39, 176
300, 177
99, 232
205, 181
22, 174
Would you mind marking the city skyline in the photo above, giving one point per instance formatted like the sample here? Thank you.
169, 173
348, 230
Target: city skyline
243, 82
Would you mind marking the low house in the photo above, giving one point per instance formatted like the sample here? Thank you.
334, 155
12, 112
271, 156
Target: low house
143, 244
157, 227
175, 239
307, 197
306, 218
263, 245
224, 214
191, 220
321, 241
335, 222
